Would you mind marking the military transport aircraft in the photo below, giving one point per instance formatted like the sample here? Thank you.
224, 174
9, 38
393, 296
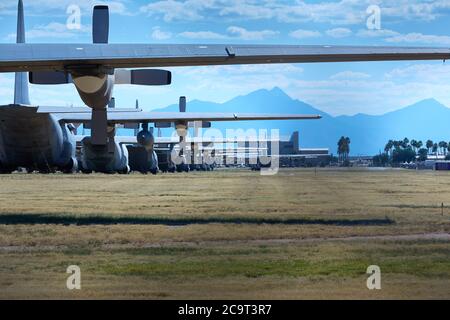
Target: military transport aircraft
39, 137
32, 136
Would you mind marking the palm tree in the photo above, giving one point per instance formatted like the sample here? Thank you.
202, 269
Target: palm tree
388, 147
419, 144
340, 149
429, 145
414, 144
435, 148
347, 147
405, 143
343, 148
445, 147
441, 145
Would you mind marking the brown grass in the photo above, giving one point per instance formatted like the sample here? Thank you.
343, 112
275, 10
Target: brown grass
232, 224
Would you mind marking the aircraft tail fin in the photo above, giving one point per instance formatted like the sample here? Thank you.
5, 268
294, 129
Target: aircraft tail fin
295, 140
21, 81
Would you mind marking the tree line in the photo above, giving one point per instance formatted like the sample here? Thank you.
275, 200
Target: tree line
400, 151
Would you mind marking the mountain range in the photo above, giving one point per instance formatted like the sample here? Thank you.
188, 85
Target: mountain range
427, 119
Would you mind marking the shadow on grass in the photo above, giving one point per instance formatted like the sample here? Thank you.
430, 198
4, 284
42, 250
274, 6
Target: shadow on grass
11, 219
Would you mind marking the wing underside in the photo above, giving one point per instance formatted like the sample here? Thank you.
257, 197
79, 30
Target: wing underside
30, 57
154, 117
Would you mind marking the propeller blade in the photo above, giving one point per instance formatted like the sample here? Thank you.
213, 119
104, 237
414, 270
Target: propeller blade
100, 24
163, 125
49, 77
199, 124
182, 104
146, 77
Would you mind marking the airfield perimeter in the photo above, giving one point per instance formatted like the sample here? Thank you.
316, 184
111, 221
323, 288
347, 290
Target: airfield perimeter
226, 234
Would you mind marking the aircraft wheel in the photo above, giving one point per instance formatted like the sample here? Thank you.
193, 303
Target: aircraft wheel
124, 171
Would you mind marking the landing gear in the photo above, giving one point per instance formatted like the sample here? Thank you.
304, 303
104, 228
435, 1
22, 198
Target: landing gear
124, 171
46, 171
182, 168
71, 167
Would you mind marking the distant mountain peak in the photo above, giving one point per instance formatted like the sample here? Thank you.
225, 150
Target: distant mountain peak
430, 102
278, 91
423, 106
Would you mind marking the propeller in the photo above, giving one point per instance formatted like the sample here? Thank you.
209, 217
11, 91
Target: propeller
100, 24
145, 77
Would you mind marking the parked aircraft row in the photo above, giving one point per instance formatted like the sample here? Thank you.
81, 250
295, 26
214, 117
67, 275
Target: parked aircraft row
40, 137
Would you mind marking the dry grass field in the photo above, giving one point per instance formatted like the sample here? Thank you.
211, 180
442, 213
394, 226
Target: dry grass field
301, 234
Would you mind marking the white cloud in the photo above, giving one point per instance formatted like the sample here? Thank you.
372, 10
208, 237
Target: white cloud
47, 6
304, 34
244, 34
233, 32
432, 73
190, 10
339, 32
158, 34
51, 30
350, 75
365, 33
205, 35
343, 12
420, 38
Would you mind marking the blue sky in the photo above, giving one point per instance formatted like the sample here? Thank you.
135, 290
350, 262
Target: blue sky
337, 88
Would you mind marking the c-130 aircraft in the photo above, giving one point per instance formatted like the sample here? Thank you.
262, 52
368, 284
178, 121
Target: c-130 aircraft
39, 137
42, 137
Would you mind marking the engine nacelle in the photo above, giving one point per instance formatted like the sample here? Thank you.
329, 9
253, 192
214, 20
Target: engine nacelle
146, 139
100, 158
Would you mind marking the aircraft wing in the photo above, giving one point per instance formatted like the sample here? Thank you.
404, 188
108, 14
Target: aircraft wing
60, 110
133, 117
198, 140
32, 57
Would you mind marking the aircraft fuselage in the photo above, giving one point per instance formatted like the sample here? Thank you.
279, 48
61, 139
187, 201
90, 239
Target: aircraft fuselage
34, 141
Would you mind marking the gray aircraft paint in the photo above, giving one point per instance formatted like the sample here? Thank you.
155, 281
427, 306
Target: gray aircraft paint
30, 139
21, 78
